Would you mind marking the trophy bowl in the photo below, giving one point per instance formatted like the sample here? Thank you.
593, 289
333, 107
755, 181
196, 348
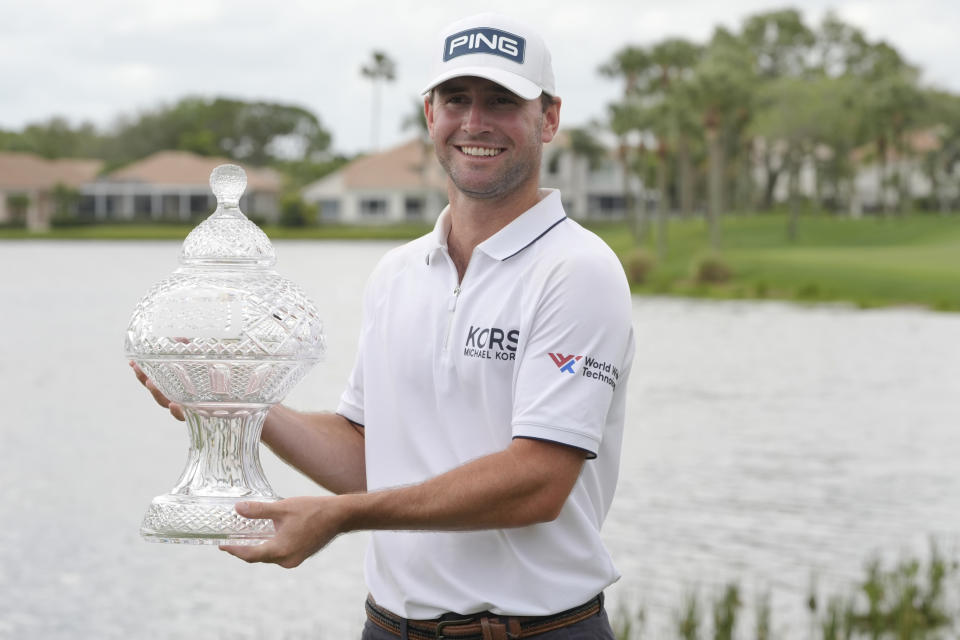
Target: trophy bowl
226, 337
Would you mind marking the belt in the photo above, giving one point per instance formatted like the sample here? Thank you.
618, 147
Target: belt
481, 626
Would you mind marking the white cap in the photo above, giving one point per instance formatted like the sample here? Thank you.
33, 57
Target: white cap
498, 48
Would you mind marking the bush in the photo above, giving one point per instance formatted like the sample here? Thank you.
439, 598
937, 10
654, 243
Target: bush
638, 266
713, 270
294, 212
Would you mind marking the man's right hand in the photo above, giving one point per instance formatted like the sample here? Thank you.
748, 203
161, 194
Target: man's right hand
175, 409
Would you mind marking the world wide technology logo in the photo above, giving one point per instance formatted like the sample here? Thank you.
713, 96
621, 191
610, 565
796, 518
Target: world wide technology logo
565, 363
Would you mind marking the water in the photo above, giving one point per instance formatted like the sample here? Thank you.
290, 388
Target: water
767, 443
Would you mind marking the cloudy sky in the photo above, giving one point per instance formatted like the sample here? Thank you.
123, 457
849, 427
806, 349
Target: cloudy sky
101, 59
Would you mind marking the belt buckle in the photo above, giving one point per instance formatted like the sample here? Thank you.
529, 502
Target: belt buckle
447, 623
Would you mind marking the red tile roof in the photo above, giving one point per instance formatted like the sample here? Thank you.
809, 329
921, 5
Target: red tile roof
185, 168
397, 168
30, 171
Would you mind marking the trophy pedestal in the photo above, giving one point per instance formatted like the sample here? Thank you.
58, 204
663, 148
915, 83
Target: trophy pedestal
223, 468
201, 520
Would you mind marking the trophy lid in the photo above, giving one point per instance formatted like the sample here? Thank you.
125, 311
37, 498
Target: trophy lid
228, 237
226, 301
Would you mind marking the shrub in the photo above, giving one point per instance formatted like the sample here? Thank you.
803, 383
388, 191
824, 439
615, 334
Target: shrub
639, 264
713, 270
294, 212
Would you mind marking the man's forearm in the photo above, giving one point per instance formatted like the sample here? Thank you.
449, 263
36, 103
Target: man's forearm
525, 484
326, 447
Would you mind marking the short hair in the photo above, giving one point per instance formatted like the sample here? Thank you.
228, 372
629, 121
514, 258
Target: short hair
545, 99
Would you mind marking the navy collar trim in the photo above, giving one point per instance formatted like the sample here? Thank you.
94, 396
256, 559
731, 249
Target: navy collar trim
545, 232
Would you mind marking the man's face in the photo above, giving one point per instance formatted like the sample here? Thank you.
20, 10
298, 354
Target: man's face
488, 139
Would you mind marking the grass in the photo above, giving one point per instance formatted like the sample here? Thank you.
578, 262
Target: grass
133, 231
911, 600
869, 262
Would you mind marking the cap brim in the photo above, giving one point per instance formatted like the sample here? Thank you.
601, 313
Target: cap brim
511, 81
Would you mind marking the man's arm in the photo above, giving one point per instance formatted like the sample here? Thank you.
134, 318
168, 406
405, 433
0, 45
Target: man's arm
326, 447
525, 484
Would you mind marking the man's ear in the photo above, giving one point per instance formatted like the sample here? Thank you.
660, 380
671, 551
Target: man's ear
428, 113
551, 121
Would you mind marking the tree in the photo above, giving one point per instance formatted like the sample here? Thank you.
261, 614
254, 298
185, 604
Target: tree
55, 138
252, 132
672, 62
722, 90
630, 63
381, 67
781, 46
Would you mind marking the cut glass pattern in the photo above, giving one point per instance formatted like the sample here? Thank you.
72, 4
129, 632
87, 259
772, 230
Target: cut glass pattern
227, 337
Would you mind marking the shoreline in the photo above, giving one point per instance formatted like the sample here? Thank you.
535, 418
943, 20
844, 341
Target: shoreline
871, 262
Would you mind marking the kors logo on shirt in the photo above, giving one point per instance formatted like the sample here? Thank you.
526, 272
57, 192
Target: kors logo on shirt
491, 343
565, 363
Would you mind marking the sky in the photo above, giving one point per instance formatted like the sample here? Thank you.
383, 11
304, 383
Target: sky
102, 59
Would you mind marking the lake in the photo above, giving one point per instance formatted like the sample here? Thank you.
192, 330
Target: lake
768, 443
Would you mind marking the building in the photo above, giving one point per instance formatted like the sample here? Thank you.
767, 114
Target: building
168, 185
174, 186
402, 184
33, 188
406, 183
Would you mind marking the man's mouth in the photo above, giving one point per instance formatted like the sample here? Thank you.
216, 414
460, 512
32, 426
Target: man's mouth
481, 151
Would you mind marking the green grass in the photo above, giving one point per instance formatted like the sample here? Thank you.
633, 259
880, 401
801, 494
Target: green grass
870, 262
914, 599
180, 231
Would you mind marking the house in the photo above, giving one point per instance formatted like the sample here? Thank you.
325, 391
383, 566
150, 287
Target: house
173, 185
406, 183
33, 188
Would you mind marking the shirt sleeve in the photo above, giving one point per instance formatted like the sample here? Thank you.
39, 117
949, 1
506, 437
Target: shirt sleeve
577, 346
351, 404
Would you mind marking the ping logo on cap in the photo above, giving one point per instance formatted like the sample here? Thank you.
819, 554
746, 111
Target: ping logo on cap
484, 40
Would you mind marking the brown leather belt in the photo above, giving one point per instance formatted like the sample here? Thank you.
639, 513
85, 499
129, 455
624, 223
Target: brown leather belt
481, 626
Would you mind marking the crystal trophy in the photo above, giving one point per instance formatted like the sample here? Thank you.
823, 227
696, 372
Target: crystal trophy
226, 337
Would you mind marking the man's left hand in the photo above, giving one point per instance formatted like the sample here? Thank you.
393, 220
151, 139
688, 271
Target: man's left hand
303, 526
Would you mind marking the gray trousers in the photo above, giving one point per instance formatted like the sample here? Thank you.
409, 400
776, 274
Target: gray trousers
593, 628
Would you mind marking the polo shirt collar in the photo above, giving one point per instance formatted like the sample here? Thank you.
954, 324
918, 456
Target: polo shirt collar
527, 228
522, 232
438, 237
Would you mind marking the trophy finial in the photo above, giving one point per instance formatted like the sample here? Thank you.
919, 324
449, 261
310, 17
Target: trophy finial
228, 182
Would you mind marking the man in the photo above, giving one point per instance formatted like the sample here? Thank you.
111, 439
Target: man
479, 434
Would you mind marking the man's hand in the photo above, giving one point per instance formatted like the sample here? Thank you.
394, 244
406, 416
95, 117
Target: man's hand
175, 409
304, 526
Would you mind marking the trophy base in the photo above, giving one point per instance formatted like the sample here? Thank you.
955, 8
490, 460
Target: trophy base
202, 520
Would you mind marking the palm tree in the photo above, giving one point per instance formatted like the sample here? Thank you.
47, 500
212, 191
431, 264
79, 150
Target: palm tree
722, 89
381, 67
630, 63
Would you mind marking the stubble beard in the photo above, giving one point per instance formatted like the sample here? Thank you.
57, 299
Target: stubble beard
509, 180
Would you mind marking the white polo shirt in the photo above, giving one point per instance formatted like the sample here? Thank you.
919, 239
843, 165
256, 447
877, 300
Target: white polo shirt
536, 342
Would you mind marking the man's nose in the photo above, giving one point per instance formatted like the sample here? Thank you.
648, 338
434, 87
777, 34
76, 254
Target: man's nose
475, 119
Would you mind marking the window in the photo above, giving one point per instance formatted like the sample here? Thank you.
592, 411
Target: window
413, 208
329, 210
373, 207
606, 205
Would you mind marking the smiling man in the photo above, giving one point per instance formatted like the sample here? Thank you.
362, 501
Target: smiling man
479, 434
